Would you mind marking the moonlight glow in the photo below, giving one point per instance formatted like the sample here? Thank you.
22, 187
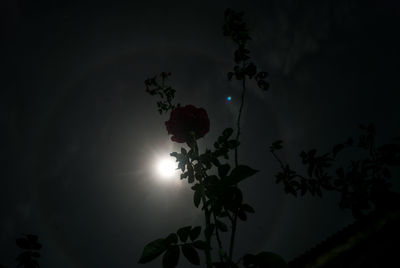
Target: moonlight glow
166, 168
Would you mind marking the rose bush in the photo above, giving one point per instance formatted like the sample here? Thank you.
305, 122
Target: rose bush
186, 120
214, 182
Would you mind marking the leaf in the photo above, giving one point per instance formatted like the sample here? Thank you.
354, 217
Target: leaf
184, 175
227, 133
248, 208
262, 84
232, 144
221, 226
200, 244
191, 254
240, 173
251, 70
23, 243
223, 170
152, 250
183, 233
171, 257
183, 151
249, 260
276, 145
171, 239
194, 233
197, 197
30, 242
242, 215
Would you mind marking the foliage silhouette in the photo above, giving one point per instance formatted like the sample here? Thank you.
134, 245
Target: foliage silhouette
217, 195
31, 246
362, 183
27, 259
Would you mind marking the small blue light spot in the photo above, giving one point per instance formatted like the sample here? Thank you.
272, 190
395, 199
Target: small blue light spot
229, 98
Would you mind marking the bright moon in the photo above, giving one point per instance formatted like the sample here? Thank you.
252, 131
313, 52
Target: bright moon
166, 168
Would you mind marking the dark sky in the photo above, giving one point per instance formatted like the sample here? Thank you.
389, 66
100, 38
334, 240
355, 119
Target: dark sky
80, 136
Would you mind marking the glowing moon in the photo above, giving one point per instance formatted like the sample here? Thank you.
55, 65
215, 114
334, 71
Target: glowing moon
166, 168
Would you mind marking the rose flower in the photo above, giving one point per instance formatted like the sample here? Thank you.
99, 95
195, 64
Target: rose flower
187, 119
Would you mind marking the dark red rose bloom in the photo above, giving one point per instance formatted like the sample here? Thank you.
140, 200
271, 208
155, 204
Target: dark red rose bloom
184, 120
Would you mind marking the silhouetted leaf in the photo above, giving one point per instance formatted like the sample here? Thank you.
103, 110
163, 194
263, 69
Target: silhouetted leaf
27, 260
171, 239
242, 215
200, 244
191, 254
197, 197
227, 133
223, 170
171, 257
30, 242
262, 84
240, 173
232, 144
248, 208
221, 226
183, 233
184, 175
276, 145
251, 70
195, 232
152, 250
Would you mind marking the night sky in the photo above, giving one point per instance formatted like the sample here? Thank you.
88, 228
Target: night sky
80, 137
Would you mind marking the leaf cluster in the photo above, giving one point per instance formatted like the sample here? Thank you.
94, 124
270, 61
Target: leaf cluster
218, 195
185, 240
236, 29
31, 246
165, 93
362, 183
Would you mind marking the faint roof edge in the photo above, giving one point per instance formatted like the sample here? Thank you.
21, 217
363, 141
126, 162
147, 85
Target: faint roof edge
369, 241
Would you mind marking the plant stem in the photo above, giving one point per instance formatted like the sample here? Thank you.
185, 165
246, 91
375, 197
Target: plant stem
208, 224
232, 242
218, 239
239, 117
207, 213
234, 223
